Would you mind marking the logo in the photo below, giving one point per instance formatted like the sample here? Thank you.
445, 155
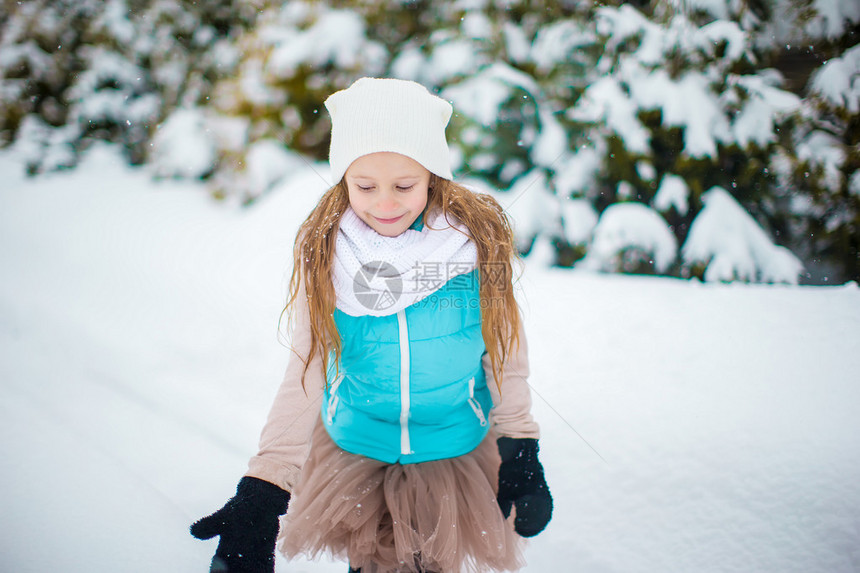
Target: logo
377, 285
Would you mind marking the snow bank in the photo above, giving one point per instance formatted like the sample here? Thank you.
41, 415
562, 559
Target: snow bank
139, 357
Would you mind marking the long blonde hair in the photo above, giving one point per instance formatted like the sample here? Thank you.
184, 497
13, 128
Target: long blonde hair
490, 229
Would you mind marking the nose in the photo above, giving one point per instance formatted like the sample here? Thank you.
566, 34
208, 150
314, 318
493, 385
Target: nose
387, 202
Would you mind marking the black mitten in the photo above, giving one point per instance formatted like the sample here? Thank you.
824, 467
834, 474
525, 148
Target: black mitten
522, 484
248, 526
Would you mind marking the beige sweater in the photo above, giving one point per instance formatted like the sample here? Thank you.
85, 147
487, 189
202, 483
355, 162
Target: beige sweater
286, 438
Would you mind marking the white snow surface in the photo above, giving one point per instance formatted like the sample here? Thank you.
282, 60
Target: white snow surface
139, 357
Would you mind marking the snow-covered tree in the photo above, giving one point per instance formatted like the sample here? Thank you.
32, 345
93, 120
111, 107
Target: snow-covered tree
822, 178
86, 69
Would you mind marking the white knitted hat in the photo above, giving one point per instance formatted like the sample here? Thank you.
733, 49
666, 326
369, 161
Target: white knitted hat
401, 116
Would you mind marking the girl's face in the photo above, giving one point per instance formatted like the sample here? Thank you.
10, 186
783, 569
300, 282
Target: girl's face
388, 191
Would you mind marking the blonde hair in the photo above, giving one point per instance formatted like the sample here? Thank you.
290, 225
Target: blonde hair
490, 229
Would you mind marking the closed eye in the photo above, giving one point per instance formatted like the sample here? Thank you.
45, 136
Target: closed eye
402, 188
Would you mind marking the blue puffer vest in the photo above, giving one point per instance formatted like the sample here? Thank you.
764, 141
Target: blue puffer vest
410, 386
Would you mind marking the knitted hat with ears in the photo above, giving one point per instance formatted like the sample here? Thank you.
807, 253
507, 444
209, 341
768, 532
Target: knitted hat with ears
376, 114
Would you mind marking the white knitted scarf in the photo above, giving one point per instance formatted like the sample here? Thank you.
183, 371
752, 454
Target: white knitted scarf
378, 276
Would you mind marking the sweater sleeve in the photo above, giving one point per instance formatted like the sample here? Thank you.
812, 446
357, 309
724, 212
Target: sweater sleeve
285, 439
511, 414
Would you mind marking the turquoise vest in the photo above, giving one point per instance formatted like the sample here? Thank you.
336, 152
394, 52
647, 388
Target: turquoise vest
410, 387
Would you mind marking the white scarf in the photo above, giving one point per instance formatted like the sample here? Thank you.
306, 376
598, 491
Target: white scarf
378, 276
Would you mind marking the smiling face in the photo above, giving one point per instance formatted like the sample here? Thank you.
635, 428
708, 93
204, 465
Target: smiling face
388, 191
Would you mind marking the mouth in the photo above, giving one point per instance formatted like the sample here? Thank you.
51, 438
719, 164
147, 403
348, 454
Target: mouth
388, 221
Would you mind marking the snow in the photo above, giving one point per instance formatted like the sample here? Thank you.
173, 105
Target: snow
476, 25
646, 170
408, 64
46, 148
634, 77
122, 103
728, 241
635, 226
481, 96
451, 59
765, 105
618, 25
556, 43
838, 81
578, 219
551, 142
606, 101
337, 37
723, 32
689, 103
673, 192
229, 133
517, 45
267, 162
575, 175
832, 17
139, 356
794, 23
532, 206
825, 151
182, 147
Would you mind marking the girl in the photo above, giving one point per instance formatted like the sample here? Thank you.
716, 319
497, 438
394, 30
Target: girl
401, 438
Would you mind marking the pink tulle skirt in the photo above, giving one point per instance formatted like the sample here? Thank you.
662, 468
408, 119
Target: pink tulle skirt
438, 516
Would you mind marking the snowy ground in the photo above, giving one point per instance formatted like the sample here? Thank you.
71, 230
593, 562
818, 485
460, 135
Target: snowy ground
139, 353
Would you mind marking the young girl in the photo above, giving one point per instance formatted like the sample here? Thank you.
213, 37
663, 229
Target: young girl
401, 438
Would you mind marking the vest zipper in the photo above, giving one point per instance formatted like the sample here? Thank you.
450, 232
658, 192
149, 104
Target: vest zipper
334, 398
403, 332
473, 402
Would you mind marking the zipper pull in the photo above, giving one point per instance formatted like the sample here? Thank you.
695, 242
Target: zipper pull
476, 406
